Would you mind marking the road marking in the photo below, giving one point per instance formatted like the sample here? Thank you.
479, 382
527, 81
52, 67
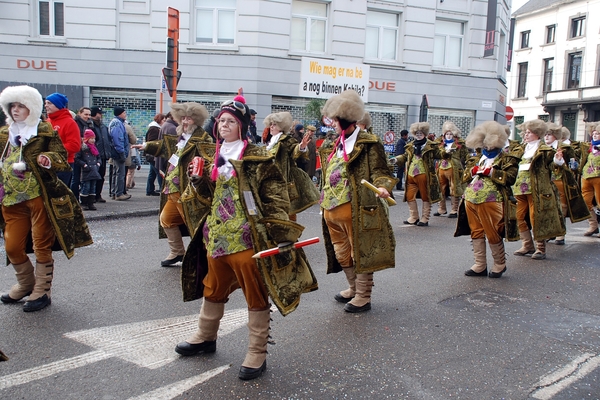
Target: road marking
148, 344
555, 382
176, 389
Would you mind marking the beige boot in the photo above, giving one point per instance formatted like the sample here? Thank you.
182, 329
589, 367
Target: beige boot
176, 247
593, 225
25, 283
441, 208
362, 300
479, 254
499, 260
256, 358
413, 210
455, 201
540, 253
346, 295
424, 221
527, 247
42, 291
204, 340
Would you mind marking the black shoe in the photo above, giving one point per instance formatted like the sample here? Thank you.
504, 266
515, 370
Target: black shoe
354, 309
100, 200
452, 215
247, 374
410, 223
6, 299
153, 194
437, 214
560, 242
497, 274
470, 272
422, 223
37, 304
342, 299
171, 262
189, 349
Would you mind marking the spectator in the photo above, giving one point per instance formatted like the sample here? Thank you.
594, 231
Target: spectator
84, 122
62, 121
132, 162
103, 145
88, 160
119, 152
312, 151
169, 128
209, 125
34, 201
400, 144
252, 128
153, 175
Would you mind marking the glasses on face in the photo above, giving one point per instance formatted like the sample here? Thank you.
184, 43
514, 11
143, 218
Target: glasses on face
236, 104
227, 122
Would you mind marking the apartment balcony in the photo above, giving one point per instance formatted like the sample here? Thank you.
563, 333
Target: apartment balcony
570, 97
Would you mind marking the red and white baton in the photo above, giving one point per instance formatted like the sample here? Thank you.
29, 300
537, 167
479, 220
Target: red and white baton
278, 250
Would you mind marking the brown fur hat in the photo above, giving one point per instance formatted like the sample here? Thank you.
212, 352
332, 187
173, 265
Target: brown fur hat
365, 120
565, 133
283, 120
489, 134
591, 127
419, 126
198, 112
554, 130
348, 106
449, 126
536, 126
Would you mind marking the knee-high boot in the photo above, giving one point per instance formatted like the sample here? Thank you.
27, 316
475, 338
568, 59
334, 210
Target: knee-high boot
527, 247
425, 215
479, 254
499, 256
540, 252
176, 247
346, 295
25, 283
413, 211
42, 291
255, 362
593, 225
90, 202
441, 208
362, 300
455, 201
204, 340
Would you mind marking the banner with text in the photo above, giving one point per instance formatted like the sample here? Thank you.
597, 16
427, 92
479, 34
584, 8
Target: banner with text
323, 79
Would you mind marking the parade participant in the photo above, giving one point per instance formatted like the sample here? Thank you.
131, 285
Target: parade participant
590, 174
359, 239
244, 208
420, 157
287, 151
89, 163
487, 210
537, 197
178, 151
36, 206
451, 168
571, 200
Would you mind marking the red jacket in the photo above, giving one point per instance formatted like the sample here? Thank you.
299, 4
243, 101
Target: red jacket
62, 121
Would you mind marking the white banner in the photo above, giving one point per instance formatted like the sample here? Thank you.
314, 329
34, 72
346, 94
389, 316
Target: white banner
323, 79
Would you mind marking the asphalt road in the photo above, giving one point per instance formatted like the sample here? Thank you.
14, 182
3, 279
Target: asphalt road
433, 333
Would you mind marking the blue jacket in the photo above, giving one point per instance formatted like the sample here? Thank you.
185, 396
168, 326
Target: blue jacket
119, 139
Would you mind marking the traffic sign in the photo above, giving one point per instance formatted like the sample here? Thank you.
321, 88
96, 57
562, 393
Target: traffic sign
510, 113
388, 138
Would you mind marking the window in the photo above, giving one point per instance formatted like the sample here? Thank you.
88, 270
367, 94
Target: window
522, 84
574, 70
544, 117
309, 26
577, 27
550, 33
382, 36
548, 69
215, 21
448, 44
52, 18
525, 39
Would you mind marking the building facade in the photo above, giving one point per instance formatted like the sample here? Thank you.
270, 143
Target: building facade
112, 52
556, 63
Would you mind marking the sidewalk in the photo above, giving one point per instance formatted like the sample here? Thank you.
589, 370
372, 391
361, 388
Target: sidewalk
139, 205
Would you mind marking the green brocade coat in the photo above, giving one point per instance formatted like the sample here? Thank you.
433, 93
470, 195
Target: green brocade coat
430, 153
286, 276
457, 157
577, 209
372, 234
61, 205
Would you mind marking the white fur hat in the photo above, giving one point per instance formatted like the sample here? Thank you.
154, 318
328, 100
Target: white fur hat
30, 97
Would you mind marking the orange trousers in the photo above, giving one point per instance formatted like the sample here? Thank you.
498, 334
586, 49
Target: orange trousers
590, 189
233, 271
416, 184
446, 177
172, 213
486, 220
22, 218
339, 223
524, 206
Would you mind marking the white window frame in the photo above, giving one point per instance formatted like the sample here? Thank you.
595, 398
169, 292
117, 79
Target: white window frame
215, 27
381, 29
51, 19
308, 23
447, 42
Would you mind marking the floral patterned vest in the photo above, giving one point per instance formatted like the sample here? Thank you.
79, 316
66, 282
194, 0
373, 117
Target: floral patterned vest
523, 182
17, 186
336, 190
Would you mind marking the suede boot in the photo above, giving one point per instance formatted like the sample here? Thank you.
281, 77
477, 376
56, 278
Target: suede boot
362, 300
441, 208
90, 203
204, 340
84, 202
255, 362
499, 256
346, 295
25, 283
413, 210
479, 254
424, 221
41, 295
176, 247
540, 253
593, 225
455, 201
527, 247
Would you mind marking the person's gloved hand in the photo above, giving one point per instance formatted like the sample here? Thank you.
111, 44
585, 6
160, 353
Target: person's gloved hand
474, 170
486, 171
